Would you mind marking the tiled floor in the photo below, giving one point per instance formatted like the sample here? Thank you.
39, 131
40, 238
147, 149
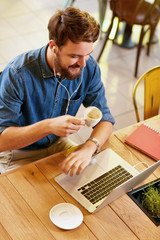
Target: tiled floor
23, 26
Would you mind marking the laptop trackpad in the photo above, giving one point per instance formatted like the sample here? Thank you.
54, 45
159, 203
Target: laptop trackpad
93, 171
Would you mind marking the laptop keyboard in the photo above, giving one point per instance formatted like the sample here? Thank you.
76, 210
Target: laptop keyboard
100, 187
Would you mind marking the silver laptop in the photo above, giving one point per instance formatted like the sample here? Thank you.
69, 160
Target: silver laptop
104, 181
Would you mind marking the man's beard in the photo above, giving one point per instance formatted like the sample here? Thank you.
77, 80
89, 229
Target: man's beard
64, 73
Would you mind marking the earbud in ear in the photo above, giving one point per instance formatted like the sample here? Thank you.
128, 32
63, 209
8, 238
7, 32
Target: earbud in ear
53, 48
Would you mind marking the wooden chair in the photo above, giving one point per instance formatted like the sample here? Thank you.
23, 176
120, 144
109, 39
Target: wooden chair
133, 12
151, 80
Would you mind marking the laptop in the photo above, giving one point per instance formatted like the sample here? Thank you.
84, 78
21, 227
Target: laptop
104, 181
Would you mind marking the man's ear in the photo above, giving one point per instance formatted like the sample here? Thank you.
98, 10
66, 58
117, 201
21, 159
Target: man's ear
52, 45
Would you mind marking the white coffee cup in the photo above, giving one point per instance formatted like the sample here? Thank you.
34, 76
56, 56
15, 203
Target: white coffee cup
92, 115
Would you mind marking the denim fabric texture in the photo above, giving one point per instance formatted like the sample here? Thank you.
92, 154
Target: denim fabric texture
29, 93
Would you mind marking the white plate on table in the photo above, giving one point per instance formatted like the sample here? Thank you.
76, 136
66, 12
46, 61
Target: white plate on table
66, 216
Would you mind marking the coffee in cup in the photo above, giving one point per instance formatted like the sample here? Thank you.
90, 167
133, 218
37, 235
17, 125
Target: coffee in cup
92, 115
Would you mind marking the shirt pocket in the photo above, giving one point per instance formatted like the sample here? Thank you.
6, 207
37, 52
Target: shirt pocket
72, 105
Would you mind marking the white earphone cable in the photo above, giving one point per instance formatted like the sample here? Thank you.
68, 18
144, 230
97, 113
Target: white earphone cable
69, 96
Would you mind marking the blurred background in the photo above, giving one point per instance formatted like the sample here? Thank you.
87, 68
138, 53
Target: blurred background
23, 26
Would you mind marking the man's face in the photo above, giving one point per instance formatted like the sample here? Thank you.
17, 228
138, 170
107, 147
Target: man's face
71, 58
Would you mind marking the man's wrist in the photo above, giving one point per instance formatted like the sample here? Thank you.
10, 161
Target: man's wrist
96, 142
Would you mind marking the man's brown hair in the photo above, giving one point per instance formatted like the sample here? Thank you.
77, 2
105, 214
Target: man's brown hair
73, 24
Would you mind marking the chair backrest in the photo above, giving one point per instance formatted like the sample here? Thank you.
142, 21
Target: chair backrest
136, 11
151, 80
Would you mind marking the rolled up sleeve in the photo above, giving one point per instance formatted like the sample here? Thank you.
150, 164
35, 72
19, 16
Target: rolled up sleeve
96, 96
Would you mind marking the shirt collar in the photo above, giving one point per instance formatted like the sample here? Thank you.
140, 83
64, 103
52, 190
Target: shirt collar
46, 71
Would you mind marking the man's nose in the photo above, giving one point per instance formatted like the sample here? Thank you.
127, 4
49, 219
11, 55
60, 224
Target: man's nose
82, 61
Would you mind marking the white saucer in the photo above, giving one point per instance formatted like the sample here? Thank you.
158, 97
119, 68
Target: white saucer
66, 216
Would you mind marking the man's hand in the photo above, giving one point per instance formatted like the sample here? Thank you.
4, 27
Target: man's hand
66, 125
78, 160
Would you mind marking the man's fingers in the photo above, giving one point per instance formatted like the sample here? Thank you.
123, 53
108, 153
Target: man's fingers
72, 166
70, 163
77, 121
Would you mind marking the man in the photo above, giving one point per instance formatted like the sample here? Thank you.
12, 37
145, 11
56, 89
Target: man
42, 90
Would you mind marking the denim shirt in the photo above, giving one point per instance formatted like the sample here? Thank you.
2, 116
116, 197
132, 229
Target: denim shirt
29, 93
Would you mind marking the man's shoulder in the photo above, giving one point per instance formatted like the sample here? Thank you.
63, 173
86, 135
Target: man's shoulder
91, 62
24, 59
91, 65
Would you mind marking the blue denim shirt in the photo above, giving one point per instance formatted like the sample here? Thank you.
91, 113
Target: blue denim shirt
29, 93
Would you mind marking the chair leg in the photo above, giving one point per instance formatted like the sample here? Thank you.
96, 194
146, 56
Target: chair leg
152, 30
117, 29
139, 50
68, 3
105, 39
102, 11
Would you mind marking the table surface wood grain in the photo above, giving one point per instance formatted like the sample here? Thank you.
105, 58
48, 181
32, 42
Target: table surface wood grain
28, 193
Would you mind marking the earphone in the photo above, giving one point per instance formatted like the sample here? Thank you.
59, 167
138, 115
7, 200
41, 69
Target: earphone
53, 48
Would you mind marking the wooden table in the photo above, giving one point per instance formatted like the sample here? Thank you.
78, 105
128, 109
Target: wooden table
27, 194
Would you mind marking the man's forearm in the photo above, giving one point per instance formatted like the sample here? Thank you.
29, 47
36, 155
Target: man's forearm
101, 132
19, 137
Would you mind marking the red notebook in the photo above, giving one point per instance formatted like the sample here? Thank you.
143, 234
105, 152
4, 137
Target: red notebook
145, 139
